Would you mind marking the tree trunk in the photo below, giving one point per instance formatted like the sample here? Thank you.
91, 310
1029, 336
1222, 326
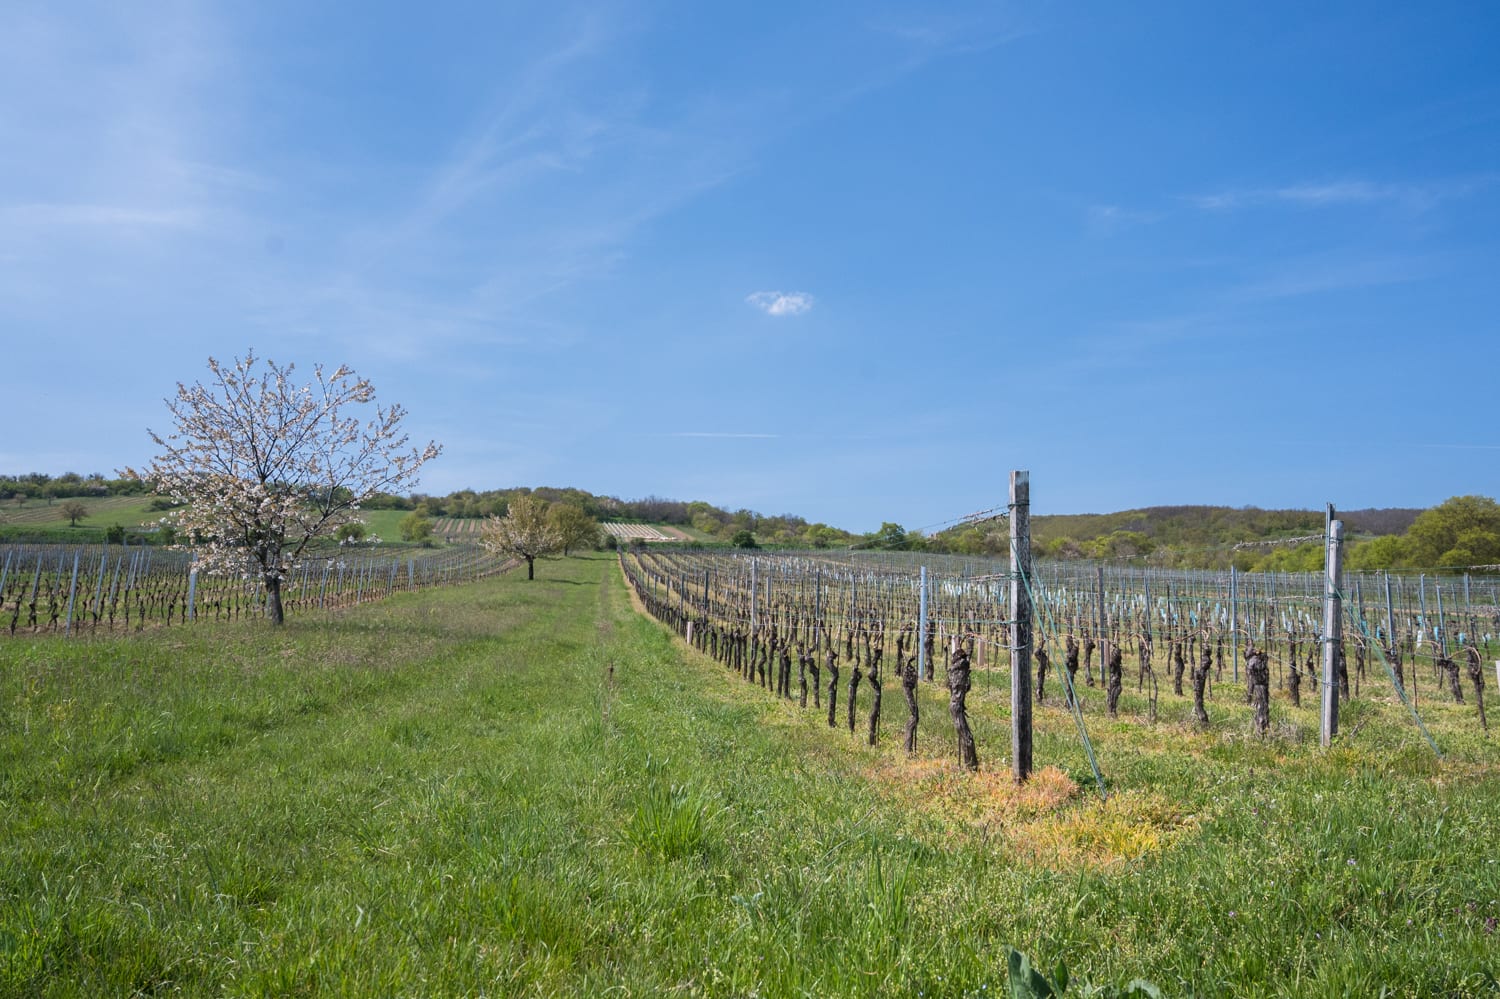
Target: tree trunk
530, 567
273, 599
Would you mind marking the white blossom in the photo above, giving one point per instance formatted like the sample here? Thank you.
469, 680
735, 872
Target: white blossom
264, 466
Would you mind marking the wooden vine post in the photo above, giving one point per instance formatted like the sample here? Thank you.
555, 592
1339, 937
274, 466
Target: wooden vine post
1234, 625
1333, 629
924, 667
1020, 627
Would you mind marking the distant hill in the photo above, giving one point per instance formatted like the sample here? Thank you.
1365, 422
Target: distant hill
1190, 526
1187, 530
1187, 536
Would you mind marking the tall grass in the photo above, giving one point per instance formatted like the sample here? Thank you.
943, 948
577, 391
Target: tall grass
518, 788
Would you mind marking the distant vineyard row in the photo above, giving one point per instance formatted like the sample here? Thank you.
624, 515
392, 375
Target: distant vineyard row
630, 532
67, 590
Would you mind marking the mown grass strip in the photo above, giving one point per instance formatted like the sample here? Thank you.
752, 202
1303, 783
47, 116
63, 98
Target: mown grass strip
519, 788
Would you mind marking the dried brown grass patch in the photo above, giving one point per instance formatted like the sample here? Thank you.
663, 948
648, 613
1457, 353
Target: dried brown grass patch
1048, 821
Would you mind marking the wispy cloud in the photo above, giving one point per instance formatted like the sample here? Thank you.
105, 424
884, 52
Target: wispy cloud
723, 436
965, 27
42, 214
1320, 274
1349, 191
781, 303
1107, 219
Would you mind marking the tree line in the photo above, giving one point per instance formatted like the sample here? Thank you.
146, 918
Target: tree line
1461, 532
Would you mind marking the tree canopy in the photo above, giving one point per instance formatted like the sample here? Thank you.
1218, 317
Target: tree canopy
264, 466
526, 532
1459, 532
574, 527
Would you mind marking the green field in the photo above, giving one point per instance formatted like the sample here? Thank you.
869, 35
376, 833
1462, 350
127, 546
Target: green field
517, 788
385, 523
105, 511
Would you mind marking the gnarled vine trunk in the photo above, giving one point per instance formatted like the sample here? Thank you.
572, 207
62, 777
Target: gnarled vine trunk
832, 661
909, 689
1115, 679
1476, 677
1200, 683
958, 692
1258, 676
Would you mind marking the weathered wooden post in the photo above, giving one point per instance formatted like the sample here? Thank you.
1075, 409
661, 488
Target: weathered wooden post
817, 610
1333, 629
192, 608
1234, 617
1099, 626
924, 668
1020, 628
1440, 630
1422, 623
72, 591
754, 581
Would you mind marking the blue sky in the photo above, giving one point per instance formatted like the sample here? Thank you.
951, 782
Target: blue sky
854, 262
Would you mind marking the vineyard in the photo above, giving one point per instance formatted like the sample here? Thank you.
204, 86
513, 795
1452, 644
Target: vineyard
458, 528
131, 511
1189, 637
633, 532
97, 589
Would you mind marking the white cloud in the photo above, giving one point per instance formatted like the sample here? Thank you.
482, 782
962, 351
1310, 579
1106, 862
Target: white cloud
777, 303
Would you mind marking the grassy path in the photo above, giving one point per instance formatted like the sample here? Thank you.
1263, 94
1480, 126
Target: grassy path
528, 789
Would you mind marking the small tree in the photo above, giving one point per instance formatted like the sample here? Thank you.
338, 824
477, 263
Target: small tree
743, 539
350, 533
416, 527
575, 529
74, 511
526, 531
266, 466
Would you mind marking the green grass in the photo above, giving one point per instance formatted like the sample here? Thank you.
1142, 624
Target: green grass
127, 511
385, 523
527, 789
35, 517
39, 521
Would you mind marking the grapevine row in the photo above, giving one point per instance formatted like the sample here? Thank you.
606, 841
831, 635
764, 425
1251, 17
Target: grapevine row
55, 589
